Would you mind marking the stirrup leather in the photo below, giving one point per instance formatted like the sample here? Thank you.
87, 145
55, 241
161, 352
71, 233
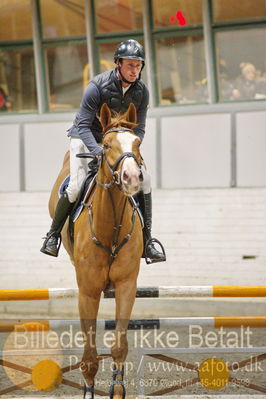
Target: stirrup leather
149, 260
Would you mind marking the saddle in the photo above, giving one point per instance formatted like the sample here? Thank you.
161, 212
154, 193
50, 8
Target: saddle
86, 189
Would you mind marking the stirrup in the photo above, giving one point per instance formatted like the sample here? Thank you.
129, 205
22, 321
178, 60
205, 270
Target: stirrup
119, 382
88, 389
46, 238
149, 260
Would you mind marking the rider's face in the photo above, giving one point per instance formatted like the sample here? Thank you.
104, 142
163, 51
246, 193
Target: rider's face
130, 69
250, 75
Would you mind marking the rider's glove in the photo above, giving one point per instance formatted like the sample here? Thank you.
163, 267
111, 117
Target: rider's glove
99, 152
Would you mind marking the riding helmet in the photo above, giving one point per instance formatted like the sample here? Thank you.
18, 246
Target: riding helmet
130, 49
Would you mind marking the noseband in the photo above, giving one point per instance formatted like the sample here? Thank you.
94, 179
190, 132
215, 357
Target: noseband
116, 175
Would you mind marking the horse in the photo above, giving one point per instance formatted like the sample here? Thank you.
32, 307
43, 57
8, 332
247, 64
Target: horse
108, 242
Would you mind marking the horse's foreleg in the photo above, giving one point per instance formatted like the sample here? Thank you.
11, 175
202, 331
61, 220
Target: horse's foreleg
125, 293
88, 310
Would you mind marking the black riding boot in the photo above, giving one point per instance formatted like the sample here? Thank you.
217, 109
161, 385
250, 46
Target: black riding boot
150, 252
52, 240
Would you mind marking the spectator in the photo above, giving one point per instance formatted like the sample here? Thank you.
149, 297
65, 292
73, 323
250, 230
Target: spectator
248, 86
5, 103
263, 72
225, 87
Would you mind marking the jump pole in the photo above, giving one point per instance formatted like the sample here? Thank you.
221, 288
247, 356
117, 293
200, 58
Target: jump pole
138, 324
142, 292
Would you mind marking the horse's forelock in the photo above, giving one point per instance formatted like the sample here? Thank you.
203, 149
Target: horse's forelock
119, 120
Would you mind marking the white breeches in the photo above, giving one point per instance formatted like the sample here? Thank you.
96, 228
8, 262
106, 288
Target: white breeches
146, 183
79, 170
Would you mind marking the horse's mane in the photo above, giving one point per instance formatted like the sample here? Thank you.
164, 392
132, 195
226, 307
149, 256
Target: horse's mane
119, 120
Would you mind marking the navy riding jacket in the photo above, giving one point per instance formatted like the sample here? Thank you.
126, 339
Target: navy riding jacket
107, 88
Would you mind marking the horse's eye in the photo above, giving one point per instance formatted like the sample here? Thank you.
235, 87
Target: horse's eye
106, 146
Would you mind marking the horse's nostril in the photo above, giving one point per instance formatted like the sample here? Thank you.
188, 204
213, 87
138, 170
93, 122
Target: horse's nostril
140, 176
125, 175
126, 178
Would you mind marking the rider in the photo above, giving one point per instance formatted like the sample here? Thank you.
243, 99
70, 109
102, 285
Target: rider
117, 88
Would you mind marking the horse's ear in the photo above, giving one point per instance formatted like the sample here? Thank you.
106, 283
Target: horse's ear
105, 116
131, 114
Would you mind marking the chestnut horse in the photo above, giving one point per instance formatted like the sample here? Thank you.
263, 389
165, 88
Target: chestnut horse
108, 242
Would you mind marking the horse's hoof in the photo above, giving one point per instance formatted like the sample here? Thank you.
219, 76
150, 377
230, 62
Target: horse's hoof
112, 389
89, 390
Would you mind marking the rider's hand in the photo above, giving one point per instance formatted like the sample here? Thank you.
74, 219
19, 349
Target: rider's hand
99, 153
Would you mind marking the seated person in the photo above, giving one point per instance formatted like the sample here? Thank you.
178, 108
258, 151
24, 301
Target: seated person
225, 87
5, 103
248, 86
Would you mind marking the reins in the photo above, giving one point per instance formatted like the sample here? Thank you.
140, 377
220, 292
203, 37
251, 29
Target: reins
115, 179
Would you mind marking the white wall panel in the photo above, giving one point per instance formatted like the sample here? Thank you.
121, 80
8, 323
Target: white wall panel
9, 158
196, 151
251, 149
45, 146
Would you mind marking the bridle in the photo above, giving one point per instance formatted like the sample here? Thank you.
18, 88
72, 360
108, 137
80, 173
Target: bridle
115, 174
115, 179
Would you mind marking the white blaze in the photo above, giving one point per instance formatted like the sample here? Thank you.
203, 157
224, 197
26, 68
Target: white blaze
126, 141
